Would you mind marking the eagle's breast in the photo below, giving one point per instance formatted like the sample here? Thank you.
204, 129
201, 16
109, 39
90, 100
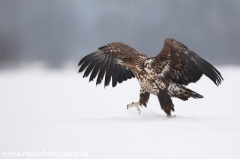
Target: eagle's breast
148, 78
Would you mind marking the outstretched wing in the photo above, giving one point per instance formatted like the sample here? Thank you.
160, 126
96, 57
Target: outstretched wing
183, 65
104, 62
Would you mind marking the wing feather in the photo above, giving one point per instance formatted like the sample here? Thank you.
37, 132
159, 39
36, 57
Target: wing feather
88, 56
103, 63
130, 74
120, 74
185, 66
110, 69
206, 68
115, 75
95, 71
86, 63
92, 65
125, 77
103, 69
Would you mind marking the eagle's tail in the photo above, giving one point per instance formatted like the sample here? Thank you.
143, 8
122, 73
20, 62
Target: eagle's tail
185, 93
193, 94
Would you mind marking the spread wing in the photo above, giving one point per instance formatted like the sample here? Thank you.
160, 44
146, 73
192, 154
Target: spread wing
182, 65
104, 62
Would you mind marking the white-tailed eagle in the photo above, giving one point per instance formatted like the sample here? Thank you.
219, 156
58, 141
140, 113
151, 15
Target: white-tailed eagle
164, 75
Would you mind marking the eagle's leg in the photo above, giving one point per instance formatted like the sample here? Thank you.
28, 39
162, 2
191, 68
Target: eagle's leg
144, 96
166, 102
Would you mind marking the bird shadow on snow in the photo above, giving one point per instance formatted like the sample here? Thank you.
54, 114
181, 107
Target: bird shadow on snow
147, 116
153, 117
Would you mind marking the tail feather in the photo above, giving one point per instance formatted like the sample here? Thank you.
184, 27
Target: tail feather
181, 92
185, 93
194, 94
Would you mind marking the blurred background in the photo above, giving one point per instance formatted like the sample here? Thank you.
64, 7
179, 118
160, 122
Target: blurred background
46, 105
56, 32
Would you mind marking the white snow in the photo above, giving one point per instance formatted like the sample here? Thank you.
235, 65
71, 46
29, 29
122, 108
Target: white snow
57, 110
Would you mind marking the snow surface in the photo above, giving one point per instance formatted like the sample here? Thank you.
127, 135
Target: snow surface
57, 110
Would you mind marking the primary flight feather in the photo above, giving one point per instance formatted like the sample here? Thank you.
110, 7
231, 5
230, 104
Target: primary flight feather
164, 75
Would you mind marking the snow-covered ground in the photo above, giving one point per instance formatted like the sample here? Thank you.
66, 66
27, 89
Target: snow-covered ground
57, 111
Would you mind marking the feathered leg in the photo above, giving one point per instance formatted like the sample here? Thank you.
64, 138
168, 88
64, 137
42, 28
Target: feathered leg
165, 102
144, 96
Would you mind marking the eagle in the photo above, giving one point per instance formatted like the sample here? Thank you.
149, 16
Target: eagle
165, 75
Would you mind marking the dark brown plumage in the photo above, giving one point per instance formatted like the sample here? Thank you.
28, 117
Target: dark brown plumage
165, 75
